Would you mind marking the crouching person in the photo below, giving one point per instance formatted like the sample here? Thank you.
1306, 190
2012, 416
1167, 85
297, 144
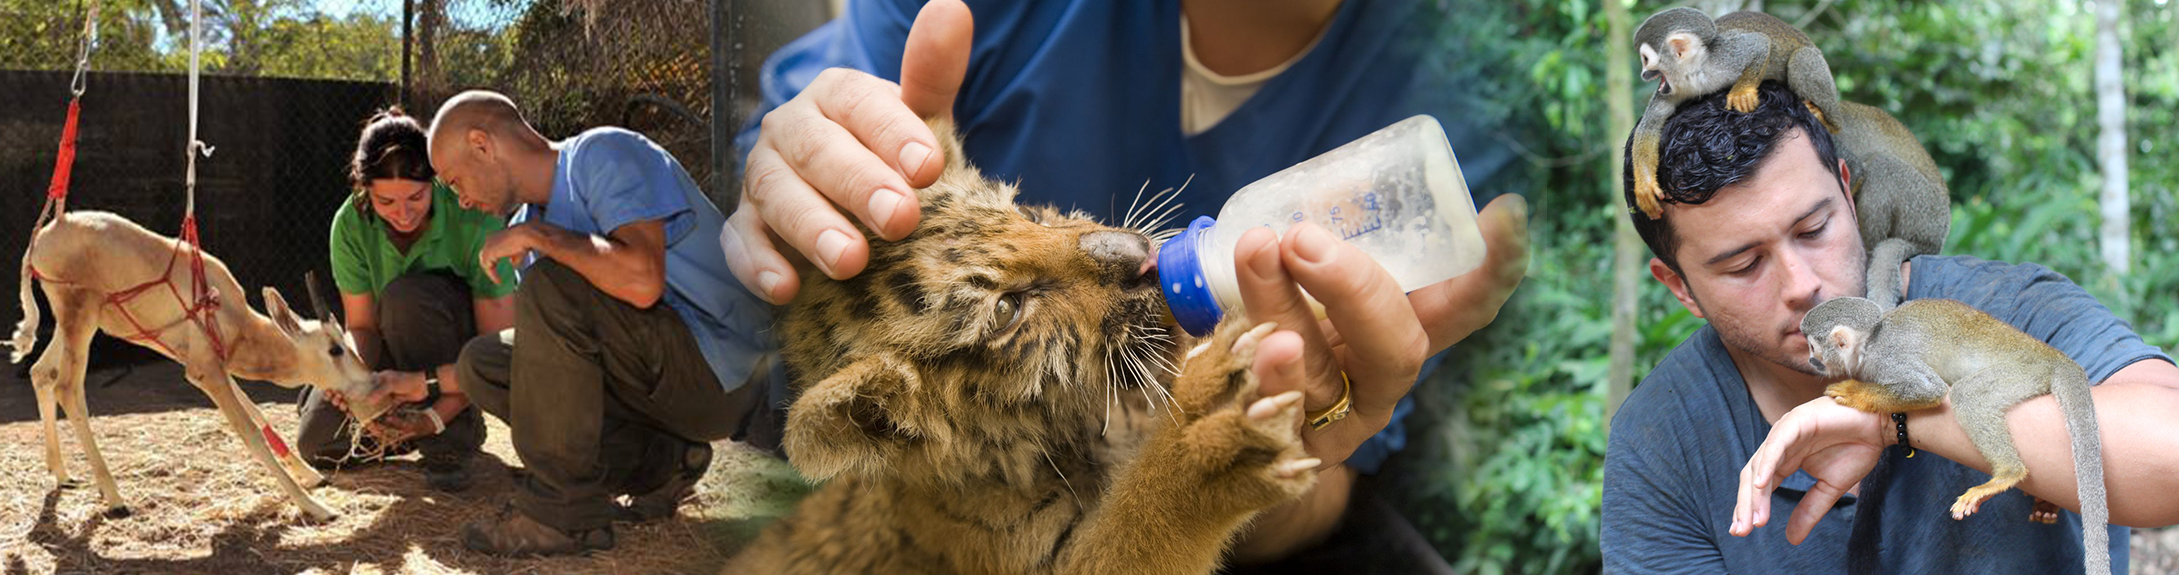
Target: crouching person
620, 368
404, 256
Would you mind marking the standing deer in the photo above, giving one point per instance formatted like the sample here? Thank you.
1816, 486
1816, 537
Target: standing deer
103, 272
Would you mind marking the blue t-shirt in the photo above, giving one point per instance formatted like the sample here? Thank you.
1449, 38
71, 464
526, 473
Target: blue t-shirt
1079, 102
606, 178
1672, 471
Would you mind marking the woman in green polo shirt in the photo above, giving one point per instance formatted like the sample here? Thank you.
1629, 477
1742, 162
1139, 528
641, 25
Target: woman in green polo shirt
405, 259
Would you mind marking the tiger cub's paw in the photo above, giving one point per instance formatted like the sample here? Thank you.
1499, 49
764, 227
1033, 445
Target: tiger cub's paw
1247, 447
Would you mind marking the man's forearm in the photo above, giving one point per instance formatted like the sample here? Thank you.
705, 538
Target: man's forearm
452, 400
367, 346
616, 270
1283, 530
2134, 415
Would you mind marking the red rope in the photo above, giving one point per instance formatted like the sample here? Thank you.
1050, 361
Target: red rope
64, 164
197, 309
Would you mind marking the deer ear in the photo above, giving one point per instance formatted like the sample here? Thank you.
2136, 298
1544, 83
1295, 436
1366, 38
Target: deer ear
849, 423
282, 315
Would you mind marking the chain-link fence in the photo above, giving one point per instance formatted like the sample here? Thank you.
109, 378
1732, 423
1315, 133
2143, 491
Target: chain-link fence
287, 84
642, 65
647, 65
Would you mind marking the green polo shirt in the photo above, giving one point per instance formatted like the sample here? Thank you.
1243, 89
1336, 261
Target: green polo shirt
365, 259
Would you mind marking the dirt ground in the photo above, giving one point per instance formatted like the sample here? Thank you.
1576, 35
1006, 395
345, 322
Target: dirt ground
200, 504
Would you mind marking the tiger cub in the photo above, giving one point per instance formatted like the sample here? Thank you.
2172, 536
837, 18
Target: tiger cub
970, 404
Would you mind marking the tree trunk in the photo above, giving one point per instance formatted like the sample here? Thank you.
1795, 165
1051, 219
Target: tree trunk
1626, 244
2111, 143
430, 81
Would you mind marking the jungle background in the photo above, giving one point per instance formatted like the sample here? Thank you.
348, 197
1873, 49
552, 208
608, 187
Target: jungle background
1504, 470
1508, 477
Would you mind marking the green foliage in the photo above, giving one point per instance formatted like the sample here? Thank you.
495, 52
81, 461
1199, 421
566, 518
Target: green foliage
46, 34
1506, 472
286, 38
1514, 472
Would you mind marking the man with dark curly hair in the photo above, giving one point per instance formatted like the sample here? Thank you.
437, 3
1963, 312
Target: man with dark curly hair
1758, 228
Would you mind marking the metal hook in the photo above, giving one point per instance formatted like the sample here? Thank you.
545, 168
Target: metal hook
77, 84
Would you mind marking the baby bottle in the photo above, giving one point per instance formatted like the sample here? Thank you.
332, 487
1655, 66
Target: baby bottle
1396, 193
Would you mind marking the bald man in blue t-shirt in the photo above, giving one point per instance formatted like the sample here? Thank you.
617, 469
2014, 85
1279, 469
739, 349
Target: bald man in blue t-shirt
1086, 101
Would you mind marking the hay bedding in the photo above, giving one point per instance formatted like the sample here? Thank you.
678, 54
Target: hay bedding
200, 504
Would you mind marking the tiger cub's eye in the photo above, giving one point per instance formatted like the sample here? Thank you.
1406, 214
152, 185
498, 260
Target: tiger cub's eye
1009, 307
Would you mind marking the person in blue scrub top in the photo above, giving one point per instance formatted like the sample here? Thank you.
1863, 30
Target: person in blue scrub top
1083, 102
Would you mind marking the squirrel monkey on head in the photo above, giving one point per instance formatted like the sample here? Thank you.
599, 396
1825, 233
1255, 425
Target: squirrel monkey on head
1900, 197
1694, 55
1911, 357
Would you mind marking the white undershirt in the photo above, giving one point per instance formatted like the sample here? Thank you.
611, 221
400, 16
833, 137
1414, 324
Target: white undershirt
1206, 97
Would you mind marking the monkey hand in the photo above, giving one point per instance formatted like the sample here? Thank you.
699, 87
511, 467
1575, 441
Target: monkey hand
1828, 123
1743, 98
1872, 397
2045, 512
1836, 445
1647, 192
1857, 394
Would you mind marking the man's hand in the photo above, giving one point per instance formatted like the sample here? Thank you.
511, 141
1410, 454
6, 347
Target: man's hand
402, 424
849, 140
1376, 335
513, 244
1837, 445
397, 386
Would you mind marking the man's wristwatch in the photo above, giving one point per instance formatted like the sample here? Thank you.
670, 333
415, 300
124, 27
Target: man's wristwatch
431, 387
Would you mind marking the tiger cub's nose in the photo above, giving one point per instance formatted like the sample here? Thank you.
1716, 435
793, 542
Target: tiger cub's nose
1121, 256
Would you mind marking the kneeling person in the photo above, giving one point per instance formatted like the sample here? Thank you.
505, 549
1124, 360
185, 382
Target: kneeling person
620, 367
404, 257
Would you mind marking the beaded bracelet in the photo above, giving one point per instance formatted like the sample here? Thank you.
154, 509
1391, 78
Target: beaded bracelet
1900, 420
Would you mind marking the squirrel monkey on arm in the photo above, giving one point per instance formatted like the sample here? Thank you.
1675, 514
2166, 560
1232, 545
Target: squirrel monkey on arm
1912, 356
1900, 197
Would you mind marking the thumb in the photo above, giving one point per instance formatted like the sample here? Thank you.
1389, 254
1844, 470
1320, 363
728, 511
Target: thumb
936, 58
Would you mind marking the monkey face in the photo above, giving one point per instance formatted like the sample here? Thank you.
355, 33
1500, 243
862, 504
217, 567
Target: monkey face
1649, 65
1671, 44
1836, 330
1835, 353
1677, 63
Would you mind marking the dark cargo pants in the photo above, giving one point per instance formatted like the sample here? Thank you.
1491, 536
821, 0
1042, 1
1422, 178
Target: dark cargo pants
603, 397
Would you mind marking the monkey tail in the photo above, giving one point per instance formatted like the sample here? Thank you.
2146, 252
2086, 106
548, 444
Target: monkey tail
2080, 414
26, 333
1883, 280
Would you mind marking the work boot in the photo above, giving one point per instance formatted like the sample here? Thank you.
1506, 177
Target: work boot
661, 502
513, 534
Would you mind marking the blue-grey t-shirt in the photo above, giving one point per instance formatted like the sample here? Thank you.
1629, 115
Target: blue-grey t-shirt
1672, 470
609, 177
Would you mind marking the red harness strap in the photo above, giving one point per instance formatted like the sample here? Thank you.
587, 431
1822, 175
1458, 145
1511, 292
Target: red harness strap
197, 309
202, 300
